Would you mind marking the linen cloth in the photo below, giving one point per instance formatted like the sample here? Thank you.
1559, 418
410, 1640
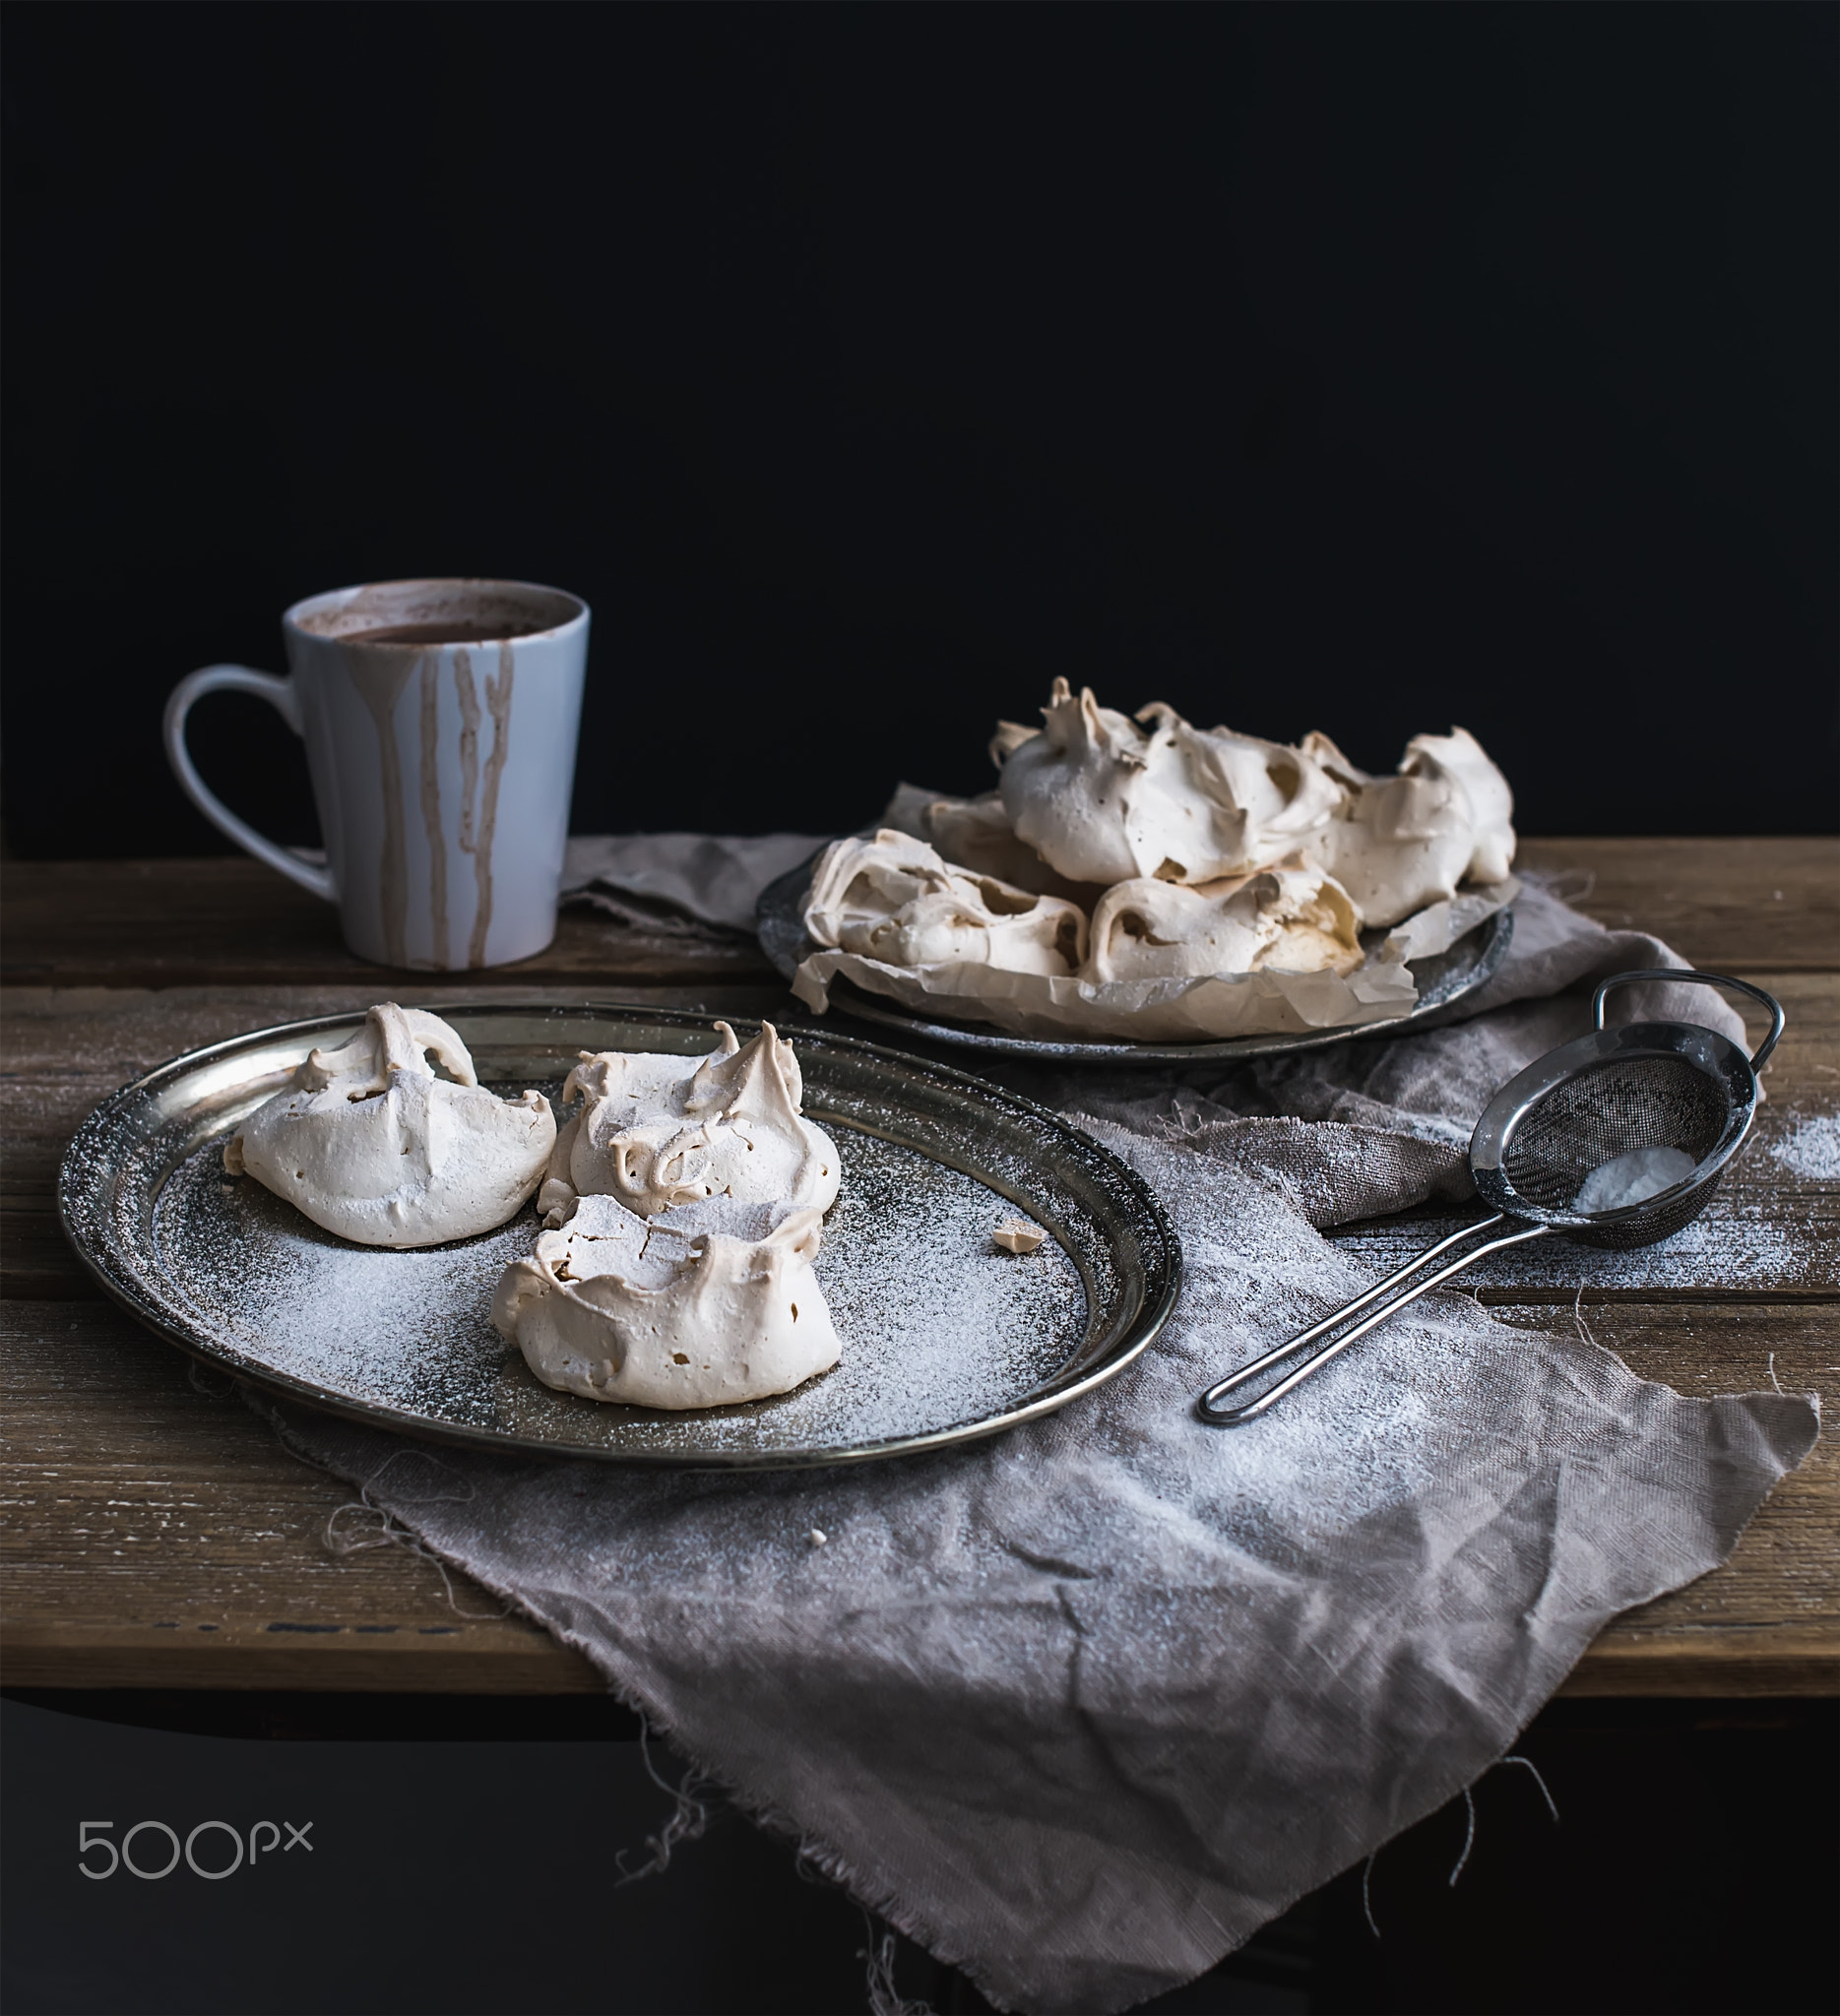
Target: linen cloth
711, 878
1080, 1707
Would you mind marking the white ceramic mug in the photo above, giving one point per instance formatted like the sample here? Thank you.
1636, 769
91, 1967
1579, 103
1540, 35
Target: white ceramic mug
440, 720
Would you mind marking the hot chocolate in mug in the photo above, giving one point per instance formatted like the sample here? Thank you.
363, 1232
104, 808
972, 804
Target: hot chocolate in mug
440, 720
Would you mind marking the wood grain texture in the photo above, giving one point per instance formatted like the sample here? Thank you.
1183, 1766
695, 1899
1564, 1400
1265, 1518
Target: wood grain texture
1771, 1231
155, 1535
232, 923
1731, 905
1768, 1621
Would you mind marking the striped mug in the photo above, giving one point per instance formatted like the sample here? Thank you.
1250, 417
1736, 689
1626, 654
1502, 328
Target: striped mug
440, 720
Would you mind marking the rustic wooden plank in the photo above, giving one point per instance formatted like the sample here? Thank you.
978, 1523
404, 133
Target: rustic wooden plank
1720, 903
235, 923
1730, 904
1767, 1622
158, 1535
505, 1657
158, 1538
1715, 1664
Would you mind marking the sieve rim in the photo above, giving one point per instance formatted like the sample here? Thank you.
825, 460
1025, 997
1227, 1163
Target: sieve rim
1714, 1056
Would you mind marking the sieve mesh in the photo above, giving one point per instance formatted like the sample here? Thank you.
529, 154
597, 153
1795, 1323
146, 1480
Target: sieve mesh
1642, 1086
1606, 1110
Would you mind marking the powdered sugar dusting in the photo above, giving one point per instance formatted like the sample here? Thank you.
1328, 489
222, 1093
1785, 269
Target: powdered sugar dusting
940, 1327
1813, 1149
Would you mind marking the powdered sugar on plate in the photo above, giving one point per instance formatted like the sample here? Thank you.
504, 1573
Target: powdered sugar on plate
945, 1336
940, 1327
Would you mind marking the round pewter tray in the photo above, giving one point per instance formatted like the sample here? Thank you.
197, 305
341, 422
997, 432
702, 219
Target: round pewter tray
945, 1337
1443, 981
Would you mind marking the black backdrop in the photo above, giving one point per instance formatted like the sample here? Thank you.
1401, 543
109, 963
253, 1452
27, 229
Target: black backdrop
1370, 368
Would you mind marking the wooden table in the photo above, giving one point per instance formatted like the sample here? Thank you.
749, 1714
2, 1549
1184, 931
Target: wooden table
155, 1534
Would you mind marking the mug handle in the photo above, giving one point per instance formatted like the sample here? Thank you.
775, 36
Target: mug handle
280, 695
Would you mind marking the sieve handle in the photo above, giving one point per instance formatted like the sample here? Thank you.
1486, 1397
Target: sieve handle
1778, 1020
1208, 1406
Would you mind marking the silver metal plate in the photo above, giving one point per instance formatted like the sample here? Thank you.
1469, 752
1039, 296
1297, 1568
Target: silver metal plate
1444, 981
945, 1337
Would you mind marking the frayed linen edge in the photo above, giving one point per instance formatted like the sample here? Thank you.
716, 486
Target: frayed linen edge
808, 1847
814, 1848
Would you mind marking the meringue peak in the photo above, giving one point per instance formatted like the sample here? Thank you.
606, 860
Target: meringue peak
1103, 800
1290, 919
1398, 843
684, 1210
656, 1131
370, 1144
764, 1079
396, 1039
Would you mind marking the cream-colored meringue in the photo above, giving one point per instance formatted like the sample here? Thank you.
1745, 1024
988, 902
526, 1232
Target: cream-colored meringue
1281, 921
893, 899
1491, 802
370, 1143
1069, 792
1332, 763
1269, 800
1106, 799
658, 1131
1402, 841
1010, 736
976, 835
701, 1305
1280, 857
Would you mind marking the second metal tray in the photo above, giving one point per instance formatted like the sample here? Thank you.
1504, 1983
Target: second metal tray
1443, 982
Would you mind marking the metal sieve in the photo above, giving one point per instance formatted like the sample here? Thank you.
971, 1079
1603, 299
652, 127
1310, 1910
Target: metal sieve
1646, 1085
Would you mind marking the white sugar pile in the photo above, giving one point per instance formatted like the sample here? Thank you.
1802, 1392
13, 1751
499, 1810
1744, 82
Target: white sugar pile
1633, 1178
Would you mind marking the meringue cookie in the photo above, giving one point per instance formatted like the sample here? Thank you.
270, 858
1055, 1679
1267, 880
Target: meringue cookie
1491, 802
1106, 799
1268, 801
893, 899
1010, 736
1281, 921
701, 1305
976, 835
370, 1143
1400, 843
660, 1131
1068, 788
